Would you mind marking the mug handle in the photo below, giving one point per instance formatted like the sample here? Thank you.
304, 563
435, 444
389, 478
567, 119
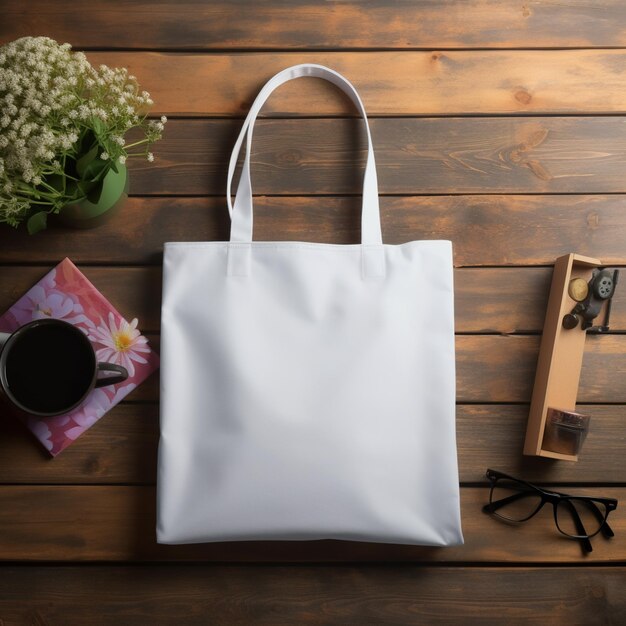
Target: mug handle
111, 380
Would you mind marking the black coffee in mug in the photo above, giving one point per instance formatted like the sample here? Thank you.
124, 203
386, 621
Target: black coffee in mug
48, 367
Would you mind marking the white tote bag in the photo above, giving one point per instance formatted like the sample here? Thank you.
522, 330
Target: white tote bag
307, 390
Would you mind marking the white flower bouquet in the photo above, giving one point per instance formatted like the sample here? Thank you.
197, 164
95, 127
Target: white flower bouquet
62, 128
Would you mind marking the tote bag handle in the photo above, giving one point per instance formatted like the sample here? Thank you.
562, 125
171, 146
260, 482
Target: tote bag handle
241, 212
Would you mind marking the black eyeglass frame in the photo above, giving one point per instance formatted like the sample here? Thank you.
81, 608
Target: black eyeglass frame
554, 498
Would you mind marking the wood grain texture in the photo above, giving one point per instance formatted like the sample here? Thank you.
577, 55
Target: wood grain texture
501, 368
413, 156
484, 230
117, 523
288, 24
207, 60
286, 595
122, 448
390, 83
133, 291
486, 300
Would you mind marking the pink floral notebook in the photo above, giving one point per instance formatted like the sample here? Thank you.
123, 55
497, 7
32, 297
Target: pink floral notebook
65, 293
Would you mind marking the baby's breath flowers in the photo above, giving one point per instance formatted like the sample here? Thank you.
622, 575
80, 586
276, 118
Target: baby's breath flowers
63, 126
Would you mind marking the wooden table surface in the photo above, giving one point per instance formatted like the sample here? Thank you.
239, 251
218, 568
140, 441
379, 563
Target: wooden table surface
497, 124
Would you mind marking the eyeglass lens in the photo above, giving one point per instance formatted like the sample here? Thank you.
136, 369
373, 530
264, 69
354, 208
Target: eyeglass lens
577, 517
513, 500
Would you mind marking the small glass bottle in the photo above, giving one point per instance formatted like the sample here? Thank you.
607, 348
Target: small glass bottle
565, 431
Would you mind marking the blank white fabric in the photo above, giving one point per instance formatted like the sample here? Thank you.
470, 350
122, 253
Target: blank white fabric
307, 390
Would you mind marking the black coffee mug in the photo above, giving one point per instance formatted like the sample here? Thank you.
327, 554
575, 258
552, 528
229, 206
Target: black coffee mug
48, 367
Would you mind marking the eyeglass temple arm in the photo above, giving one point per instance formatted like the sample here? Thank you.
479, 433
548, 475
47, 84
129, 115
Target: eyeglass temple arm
584, 541
498, 504
605, 529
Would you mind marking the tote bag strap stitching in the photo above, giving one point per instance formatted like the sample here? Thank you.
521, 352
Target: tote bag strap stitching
242, 212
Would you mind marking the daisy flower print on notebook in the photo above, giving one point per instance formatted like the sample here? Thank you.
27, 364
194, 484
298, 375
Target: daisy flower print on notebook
123, 343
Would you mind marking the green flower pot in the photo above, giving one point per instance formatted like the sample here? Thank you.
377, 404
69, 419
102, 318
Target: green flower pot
98, 208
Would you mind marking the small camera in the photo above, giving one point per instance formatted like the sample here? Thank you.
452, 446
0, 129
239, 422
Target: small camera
590, 298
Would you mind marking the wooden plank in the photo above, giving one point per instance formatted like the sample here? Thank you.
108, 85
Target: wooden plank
492, 436
133, 291
486, 299
485, 230
507, 300
288, 24
413, 156
286, 595
501, 368
122, 448
98, 523
390, 83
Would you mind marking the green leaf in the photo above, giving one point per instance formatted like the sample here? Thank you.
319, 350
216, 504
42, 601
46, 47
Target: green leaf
84, 187
37, 222
94, 168
56, 181
86, 160
94, 195
71, 189
111, 188
98, 126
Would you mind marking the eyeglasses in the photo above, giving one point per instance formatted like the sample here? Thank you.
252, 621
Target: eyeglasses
576, 517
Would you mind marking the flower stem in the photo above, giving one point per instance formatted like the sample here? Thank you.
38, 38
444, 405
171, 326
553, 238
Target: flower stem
136, 143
